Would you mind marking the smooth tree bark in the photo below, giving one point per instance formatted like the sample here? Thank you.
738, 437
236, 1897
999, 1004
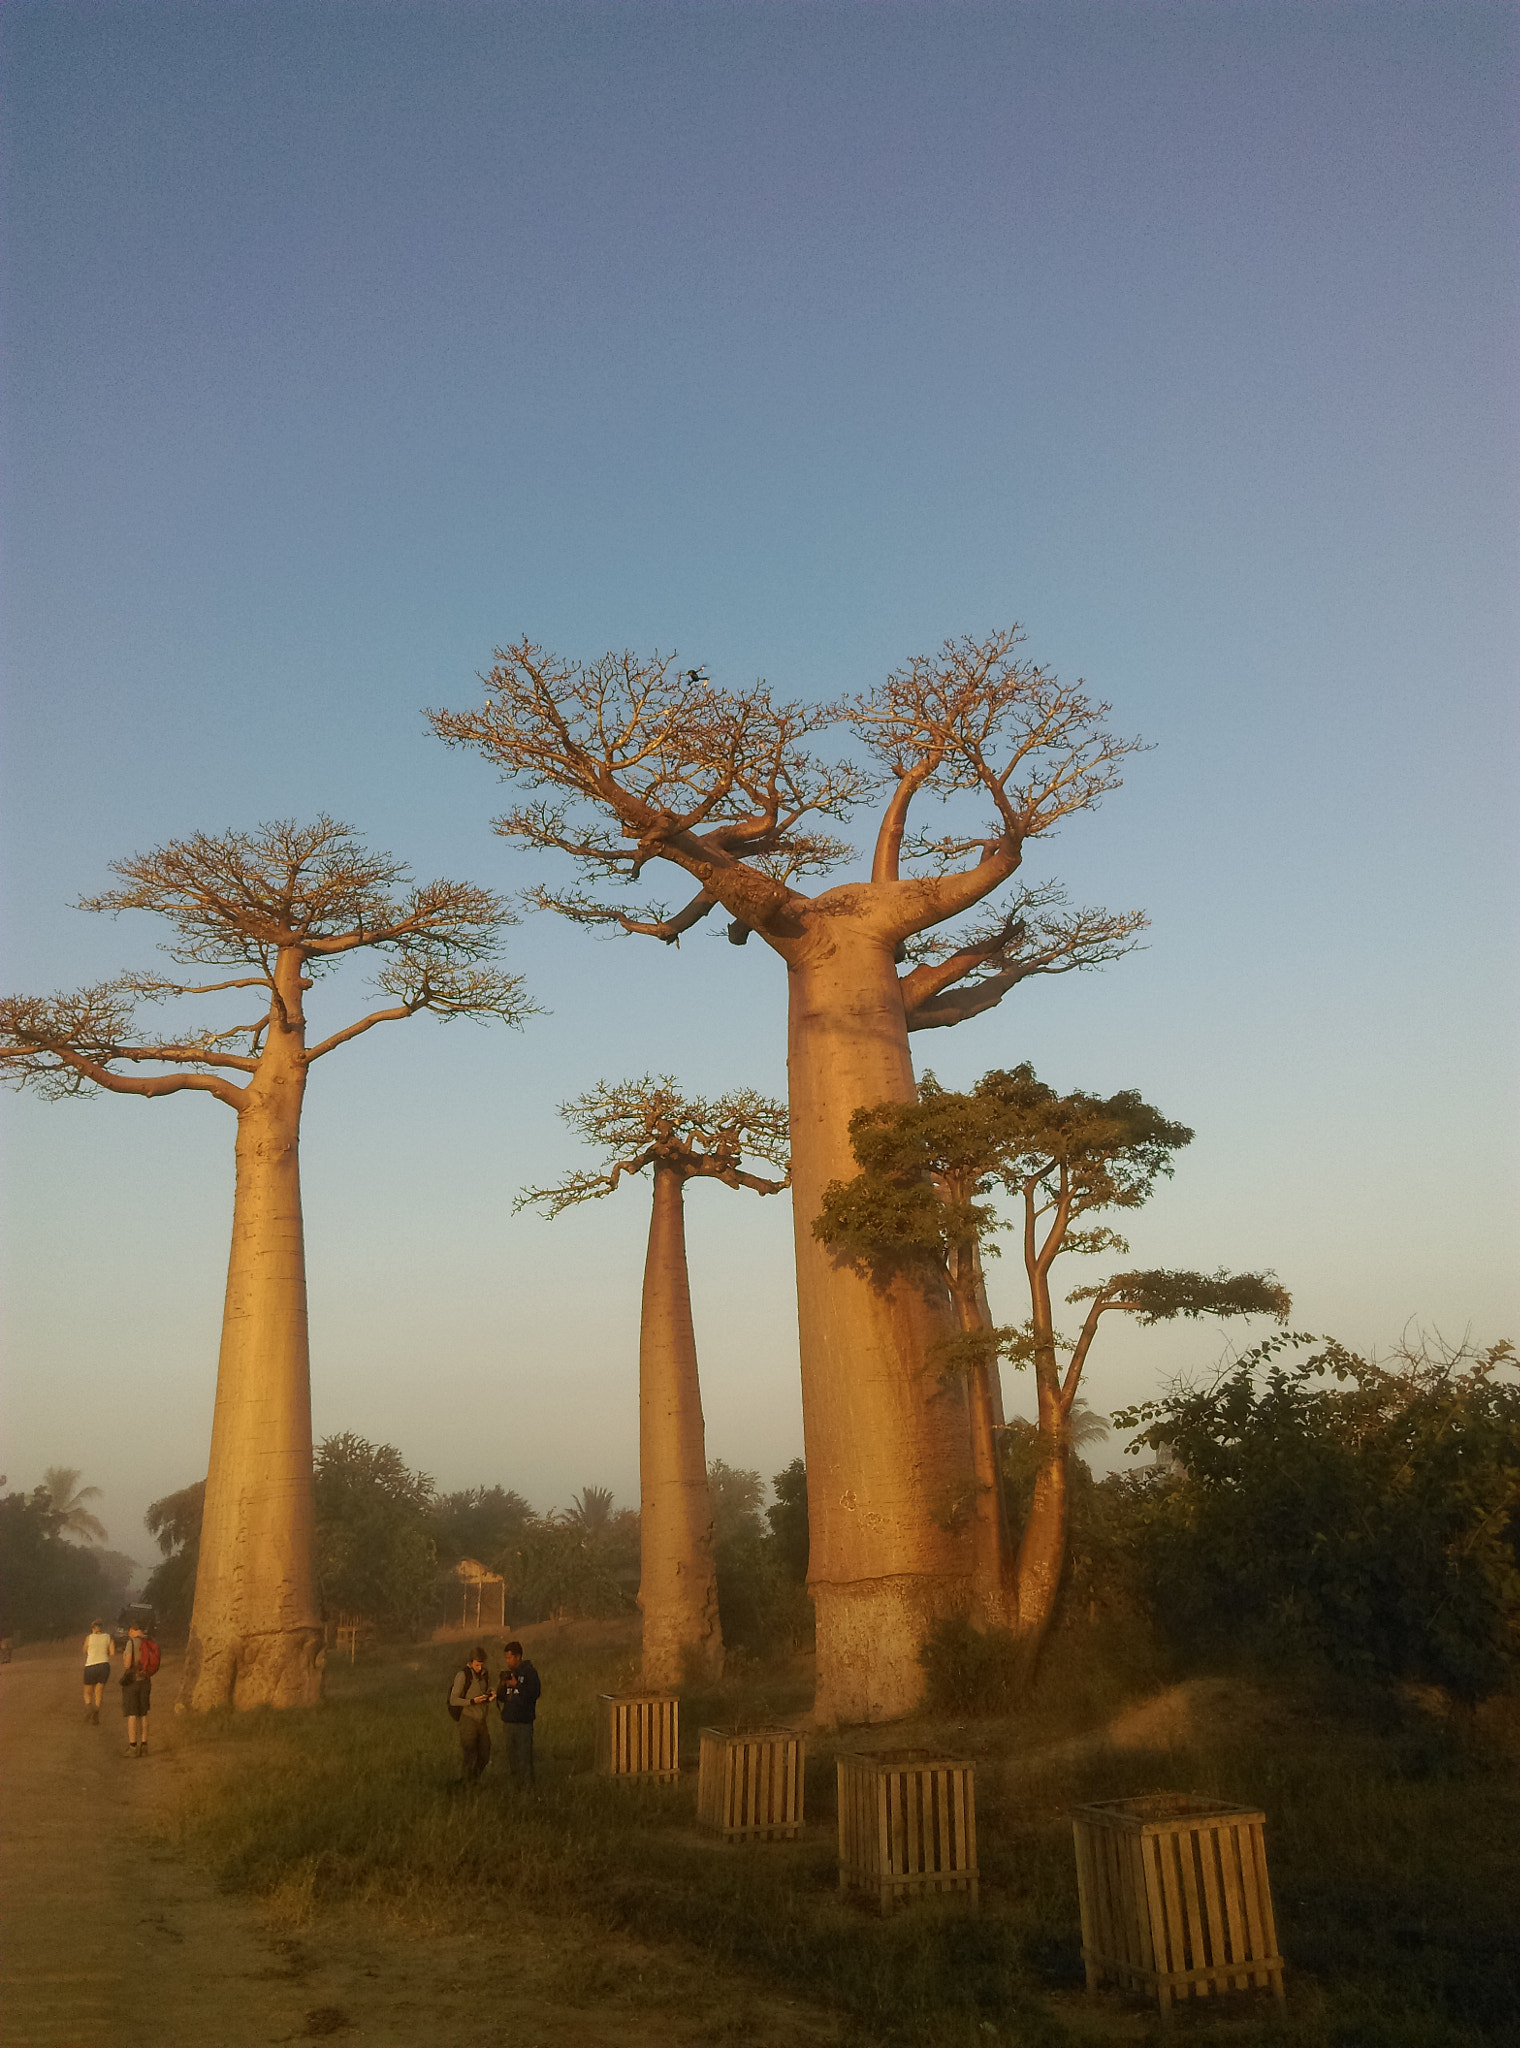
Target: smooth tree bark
285, 904
922, 1205
642, 763
650, 1123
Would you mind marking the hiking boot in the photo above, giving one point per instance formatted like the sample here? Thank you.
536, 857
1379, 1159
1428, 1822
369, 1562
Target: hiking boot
142, 1749
131, 1749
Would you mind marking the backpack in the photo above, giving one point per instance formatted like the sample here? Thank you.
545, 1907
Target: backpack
149, 1658
456, 1708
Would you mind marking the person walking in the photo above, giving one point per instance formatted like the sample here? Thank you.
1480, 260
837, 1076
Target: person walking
98, 1652
136, 1689
517, 1696
471, 1694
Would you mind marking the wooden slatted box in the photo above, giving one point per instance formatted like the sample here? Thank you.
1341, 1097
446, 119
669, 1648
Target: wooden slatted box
638, 1735
749, 1783
907, 1824
1175, 1896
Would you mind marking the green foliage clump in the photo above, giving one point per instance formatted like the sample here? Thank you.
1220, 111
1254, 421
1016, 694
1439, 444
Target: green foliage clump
49, 1586
1363, 1513
479, 1521
376, 1554
175, 1523
583, 1564
970, 1671
763, 1602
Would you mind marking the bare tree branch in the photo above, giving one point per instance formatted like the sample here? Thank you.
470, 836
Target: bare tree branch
1036, 936
649, 1122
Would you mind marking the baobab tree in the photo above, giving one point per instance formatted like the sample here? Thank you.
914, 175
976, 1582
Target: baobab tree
639, 764
921, 1204
279, 906
650, 1123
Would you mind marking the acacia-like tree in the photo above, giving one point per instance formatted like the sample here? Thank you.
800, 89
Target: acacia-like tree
920, 1204
650, 1123
640, 763
278, 906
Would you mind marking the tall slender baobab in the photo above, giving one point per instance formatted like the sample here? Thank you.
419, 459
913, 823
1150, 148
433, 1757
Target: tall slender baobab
278, 906
651, 1123
920, 1205
643, 763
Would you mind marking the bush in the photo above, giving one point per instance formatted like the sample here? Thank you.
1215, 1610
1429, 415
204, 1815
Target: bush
1364, 1514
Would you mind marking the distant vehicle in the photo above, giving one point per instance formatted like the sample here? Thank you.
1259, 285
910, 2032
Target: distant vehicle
136, 1615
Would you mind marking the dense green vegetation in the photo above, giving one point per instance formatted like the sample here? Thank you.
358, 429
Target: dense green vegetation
51, 1584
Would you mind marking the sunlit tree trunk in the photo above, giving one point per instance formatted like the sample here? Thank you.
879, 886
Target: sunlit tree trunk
992, 1577
256, 1633
888, 1444
1042, 1546
678, 1583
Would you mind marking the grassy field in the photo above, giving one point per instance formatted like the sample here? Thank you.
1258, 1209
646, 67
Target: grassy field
1392, 1836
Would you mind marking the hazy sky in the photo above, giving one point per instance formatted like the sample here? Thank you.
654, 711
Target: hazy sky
346, 340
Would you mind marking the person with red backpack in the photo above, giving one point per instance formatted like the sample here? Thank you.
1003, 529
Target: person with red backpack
139, 1661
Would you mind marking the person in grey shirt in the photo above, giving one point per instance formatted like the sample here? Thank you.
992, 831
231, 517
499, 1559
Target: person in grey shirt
471, 1693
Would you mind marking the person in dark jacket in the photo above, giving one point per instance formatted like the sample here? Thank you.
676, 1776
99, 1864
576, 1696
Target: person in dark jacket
517, 1696
471, 1693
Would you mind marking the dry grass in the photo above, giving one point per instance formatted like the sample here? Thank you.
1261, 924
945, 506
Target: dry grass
1391, 1833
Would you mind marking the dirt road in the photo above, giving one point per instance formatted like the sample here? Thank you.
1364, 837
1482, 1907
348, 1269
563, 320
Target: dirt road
108, 1936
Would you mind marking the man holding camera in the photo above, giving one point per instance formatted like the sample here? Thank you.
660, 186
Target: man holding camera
517, 1696
470, 1703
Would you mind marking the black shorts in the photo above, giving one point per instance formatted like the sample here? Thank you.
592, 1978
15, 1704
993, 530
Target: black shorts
136, 1695
96, 1674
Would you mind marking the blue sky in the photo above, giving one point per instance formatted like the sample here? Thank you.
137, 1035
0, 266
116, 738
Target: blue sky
343, 342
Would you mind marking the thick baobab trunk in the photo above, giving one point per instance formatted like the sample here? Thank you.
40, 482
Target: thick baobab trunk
888, 1444
1042, 1548
678, 1582
256, 1634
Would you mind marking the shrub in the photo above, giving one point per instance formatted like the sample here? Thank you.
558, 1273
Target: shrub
1363, 1513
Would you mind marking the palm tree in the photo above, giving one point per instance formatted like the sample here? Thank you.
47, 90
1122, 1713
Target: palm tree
1085, 1426
66, 1497
591, 1509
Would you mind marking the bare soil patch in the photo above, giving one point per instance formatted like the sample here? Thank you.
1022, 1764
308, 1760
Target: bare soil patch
101, 1917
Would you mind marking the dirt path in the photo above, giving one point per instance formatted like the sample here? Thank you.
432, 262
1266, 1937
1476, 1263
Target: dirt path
97, 1916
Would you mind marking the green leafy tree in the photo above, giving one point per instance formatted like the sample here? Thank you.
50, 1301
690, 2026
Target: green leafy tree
49, 1587
175, 1524
578, 1565
479, 1521
376, 1554
788, 1517
923, 1203
1365, 1511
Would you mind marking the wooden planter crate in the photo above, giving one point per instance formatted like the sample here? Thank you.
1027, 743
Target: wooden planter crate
907, 1823
1175, 1896
749, 1783
638, 1735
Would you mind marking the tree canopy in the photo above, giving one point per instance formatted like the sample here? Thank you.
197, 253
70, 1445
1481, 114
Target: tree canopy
641, 761
652, 1122
310, 893
1365, 1510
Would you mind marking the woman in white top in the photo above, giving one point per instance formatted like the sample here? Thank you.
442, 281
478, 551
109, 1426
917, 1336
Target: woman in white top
98, 1648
